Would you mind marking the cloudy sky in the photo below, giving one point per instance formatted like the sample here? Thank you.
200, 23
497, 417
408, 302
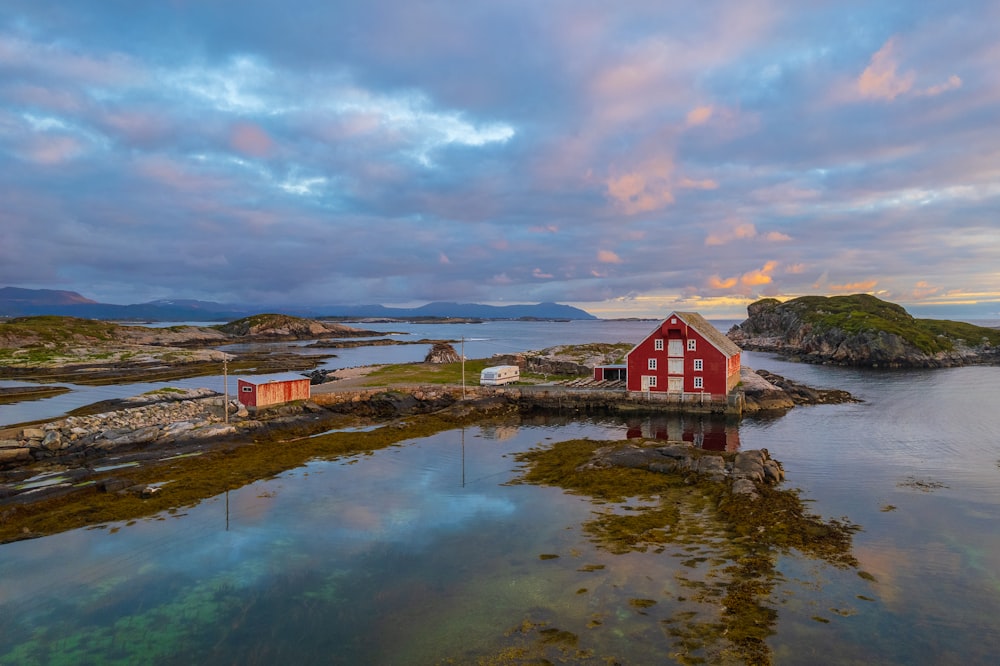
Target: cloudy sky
628, 157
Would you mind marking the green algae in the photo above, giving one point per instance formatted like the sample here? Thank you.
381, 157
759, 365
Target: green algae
192, 479
735, 537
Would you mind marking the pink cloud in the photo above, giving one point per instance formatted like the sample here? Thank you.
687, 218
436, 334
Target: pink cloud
645, 189
745, 283
759, 277
53, 149
952, 83
538, 273
137, 127
62, 101
882, 80
114, 69
608, 257
795, 269
706, 184
924, 289
854, 287
443, 259
699, 115
716, 282
251, 140
742, 231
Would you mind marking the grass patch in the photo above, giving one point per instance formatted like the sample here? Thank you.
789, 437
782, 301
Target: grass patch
427, 373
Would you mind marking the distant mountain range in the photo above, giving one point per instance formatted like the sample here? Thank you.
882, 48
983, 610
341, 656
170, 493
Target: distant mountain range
18, 302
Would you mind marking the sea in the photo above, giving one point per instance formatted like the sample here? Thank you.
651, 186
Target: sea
428, 553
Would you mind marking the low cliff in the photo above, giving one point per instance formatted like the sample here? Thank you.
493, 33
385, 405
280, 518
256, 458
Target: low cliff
862, 330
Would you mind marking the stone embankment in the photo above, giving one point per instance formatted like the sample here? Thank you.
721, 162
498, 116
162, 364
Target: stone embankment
155, 420
745, 469
158, 419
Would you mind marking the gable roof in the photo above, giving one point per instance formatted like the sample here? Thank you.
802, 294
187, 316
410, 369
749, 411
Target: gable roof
709, 332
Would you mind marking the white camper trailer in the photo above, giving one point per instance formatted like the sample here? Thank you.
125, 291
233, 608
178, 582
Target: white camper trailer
498, 375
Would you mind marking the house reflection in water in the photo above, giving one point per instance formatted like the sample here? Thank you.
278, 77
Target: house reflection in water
711, 434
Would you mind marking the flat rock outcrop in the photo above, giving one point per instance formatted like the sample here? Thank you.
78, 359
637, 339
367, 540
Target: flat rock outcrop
745, 470
765, 391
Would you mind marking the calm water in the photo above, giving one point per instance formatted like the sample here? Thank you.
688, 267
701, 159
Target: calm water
420, 553
481, 341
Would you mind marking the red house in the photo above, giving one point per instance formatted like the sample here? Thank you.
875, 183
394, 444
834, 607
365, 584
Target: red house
684, 354
272, 393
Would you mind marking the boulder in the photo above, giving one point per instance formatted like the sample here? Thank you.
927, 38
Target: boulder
745, 487
713, 467
749, 465
52, 440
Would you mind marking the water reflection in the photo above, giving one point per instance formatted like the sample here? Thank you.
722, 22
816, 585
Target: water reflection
711, 434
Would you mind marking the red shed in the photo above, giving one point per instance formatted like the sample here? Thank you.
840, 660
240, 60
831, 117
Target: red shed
684, 354
273, 392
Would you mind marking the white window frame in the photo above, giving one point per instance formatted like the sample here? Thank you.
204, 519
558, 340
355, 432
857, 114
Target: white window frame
651, 364
698, 383
692, 344
248, 389
699, 365
658, 344
651, 381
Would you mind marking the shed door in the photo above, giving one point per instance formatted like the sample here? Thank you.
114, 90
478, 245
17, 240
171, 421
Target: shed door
675, 347
675, 385
675, 366
645, 382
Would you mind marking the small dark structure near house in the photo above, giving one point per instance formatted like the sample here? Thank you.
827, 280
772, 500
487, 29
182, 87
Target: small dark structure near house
272, 393
615, 372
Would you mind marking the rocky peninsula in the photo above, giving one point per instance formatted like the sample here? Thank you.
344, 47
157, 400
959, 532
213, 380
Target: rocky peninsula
862, 330
85, 351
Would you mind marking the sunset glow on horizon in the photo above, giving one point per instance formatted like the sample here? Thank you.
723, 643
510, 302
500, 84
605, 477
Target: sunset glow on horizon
630, 158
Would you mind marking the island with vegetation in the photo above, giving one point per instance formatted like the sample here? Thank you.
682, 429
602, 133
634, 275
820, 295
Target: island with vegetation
862, 330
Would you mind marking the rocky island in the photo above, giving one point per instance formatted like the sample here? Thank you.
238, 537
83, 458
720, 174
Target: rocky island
862, 330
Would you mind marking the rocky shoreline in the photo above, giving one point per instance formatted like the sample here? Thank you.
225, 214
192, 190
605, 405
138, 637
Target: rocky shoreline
72, 452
